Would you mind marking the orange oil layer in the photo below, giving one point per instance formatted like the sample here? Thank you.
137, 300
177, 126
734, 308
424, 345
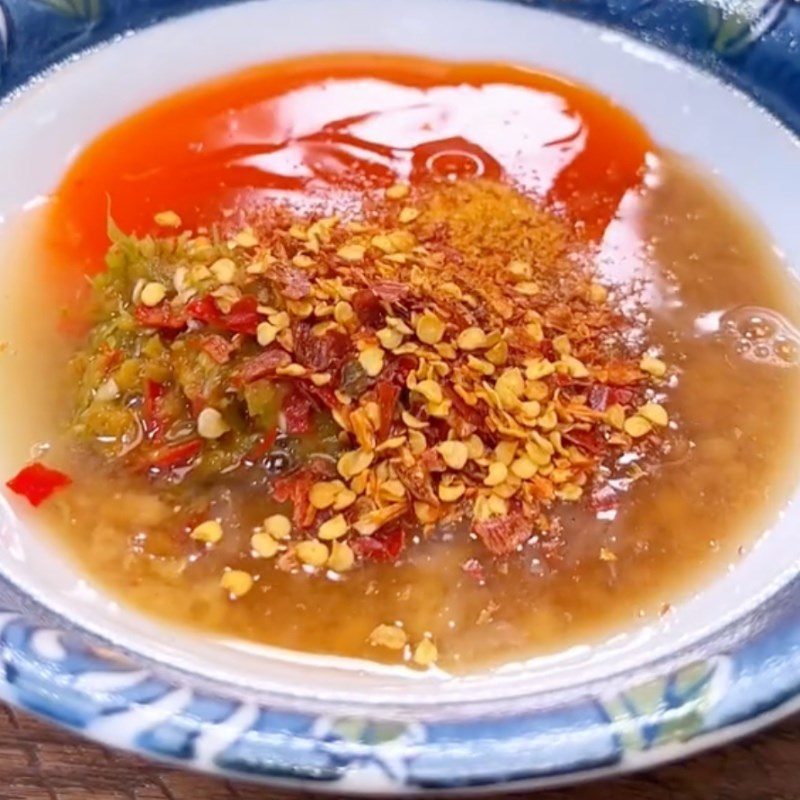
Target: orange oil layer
329, 127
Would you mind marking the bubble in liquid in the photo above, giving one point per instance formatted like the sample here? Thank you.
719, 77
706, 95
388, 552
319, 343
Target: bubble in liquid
454, 164
787, 349
756, 327
762, 336
762, 351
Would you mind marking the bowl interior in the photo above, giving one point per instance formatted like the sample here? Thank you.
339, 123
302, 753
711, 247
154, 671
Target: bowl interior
688, 111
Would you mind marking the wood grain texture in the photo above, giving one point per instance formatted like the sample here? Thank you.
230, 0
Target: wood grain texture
40, 762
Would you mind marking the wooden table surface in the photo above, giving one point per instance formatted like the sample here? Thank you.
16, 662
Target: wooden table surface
40, 762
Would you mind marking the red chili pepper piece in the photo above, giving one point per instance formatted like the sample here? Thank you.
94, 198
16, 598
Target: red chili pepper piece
295, 283
297, 410
243, 316
598, 397
112, 357
152, 415
390, 291
384, 546
36, 482
399, 369
368, 308
320, 353
161, 316
204, 309
263, 364
562, 380
588, 441
620, 396
325, 394
387, 402
417, 480
296, 490
432, 461
175, 455
218, 347
468, 413
503, 535
547, 350
621, 373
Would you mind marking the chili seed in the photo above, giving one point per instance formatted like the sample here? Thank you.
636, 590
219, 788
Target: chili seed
398, 191
210, 424
167, 219
389, 636
426, 653
498, 472
236, 582
637, 426
278, 526
153, 293
655, 413
341, 558
312, 552
454, 454
263, 545
334, 528
224, 270
209, 532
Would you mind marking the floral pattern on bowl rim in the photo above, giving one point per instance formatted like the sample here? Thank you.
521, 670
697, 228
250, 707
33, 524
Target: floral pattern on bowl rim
738, 679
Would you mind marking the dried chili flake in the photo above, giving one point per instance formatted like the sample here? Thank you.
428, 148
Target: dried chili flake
162, 316
398, 370
451, 339
388, 395
618, 395
473, 415
295, 284
504, 535
354, 381
599, 397
204, 309
325, 395
589, 441
368, 308
321, 353
218, 347
417, 479
179, 454
152, 407
621, 373
243, 316
296, 489
390, 291
298, 409
263, 365
385, 546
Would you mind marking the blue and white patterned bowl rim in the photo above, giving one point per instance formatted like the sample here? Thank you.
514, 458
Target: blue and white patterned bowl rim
737, 679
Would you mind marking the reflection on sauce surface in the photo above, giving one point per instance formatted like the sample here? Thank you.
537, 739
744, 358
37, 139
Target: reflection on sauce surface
321, 131
328, 128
